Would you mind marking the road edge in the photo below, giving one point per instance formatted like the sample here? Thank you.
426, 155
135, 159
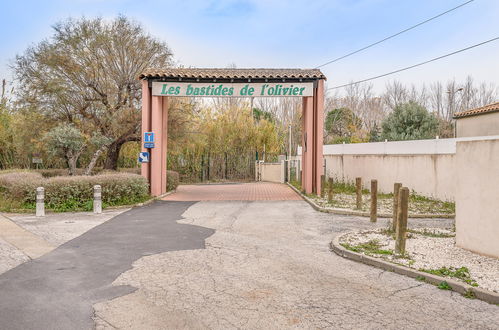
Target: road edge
462, 288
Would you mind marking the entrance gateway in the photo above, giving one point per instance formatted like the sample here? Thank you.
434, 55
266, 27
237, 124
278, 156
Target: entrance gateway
160, 84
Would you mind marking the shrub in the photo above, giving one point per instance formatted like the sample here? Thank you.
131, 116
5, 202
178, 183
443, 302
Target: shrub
53, 172
70, 193
172, 180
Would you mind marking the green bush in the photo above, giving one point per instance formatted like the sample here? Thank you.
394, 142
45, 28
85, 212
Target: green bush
172, 180
71, 193
53, 172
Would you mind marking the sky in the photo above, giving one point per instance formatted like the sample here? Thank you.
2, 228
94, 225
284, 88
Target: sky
287, 34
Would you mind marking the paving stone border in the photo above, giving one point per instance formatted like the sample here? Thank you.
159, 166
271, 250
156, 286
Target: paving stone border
462, 288
362, 213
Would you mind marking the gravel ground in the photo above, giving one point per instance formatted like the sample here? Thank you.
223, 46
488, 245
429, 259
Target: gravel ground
425, 252
385, 205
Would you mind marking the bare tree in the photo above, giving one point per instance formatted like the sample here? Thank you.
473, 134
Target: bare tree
86, 75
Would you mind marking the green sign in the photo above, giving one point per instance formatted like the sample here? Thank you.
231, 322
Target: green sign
195, 89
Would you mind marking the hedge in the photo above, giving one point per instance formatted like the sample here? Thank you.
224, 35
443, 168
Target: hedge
69, 193
172, 180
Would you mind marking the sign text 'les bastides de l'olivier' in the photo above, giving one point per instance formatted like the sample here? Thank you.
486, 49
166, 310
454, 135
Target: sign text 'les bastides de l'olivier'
232, 89
161, 84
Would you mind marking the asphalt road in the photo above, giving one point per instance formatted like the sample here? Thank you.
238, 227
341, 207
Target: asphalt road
57, 291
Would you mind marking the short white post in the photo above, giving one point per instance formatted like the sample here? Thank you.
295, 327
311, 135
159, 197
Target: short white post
40, 202
97, 199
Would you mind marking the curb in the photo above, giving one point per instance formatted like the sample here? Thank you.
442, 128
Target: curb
147, 202
456, 286
362, 213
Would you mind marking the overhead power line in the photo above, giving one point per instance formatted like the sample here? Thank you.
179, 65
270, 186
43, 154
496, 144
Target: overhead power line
416, 65
394, 35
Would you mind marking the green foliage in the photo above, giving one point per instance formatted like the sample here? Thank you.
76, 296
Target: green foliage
260, 114
64, 139
172, 180
342, 125
86, 75
65, 193
409, 121
461, 273
375, 134
444, 286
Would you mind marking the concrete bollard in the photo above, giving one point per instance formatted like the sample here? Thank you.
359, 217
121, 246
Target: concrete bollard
374, 200
330, 191
358, 189
40, 202
400, 234
396, 191
97, 199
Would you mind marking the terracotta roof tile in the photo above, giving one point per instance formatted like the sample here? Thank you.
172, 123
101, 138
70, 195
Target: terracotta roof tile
204, 73
478, 111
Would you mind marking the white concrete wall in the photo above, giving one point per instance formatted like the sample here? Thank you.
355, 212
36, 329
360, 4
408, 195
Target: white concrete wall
425, 166
477, 196
272, 172
428, 175
480, 125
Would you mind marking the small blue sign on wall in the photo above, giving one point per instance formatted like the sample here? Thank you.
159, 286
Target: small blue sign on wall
144, 157
148, 137
148, 145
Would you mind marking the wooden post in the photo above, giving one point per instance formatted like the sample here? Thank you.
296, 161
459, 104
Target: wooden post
323, 186
396, 191
402, 220
358, 187
330, 191
374, 200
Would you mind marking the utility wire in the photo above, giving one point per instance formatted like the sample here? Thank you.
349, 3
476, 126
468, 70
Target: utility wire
394, 35
416, 65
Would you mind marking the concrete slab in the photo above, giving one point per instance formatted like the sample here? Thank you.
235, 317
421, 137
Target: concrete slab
254, 191
268, 266
30, 244
57, 290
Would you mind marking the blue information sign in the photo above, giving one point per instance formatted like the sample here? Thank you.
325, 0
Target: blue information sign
148, 137
149, 145
144, 157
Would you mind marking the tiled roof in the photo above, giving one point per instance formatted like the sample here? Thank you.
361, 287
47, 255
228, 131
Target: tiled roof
200, 73
478, 111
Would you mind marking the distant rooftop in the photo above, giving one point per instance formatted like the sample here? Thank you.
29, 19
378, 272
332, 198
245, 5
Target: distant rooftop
478, 111
232, 74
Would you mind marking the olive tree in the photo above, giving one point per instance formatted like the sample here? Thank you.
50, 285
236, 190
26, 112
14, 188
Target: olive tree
68, 142
86, 75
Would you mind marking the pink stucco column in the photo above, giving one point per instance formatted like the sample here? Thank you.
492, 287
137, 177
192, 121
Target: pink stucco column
307, 144
157, 158
145, 169
164, 143
318, 134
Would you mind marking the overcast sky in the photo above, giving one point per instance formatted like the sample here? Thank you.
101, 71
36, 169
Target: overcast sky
301, 33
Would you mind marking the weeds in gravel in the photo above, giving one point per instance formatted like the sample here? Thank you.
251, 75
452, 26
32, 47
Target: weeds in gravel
444, 286
371, 247
469, 294
430, 233
344, 197
461, 273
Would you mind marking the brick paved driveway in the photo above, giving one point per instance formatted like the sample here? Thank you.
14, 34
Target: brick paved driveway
254, 191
